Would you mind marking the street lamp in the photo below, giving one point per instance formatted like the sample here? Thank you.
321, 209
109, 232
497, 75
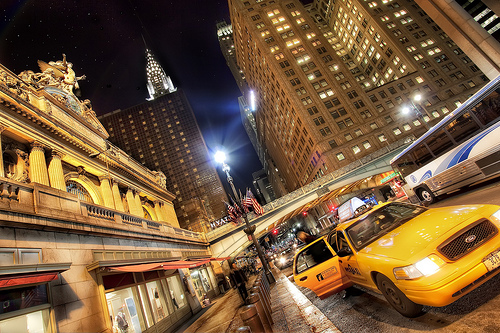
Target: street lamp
220, 157
407, 110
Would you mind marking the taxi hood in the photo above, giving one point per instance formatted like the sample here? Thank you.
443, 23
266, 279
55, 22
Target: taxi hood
423, 233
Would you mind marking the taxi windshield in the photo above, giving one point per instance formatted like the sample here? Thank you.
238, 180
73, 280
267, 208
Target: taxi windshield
381, 221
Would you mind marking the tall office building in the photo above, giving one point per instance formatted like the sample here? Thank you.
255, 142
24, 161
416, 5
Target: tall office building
337, 81
474, 25
247, 109
163, 134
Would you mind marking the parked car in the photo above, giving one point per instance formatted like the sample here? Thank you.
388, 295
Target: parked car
413, 255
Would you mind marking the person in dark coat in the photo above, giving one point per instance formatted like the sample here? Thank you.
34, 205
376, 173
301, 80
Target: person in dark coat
239, 279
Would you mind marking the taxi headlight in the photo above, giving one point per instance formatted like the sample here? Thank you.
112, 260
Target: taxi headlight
496, 215
424, 267
282, 260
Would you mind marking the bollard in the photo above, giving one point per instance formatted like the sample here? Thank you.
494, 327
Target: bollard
251, 318
264, 316
265, 303
245, 329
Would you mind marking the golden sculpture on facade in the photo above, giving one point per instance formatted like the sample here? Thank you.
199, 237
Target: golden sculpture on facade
59, 73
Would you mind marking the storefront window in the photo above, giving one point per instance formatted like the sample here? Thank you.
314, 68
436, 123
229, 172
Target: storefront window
205, 280
35, 322
157, 300
201, 282
124, 312
145, 304
176, 292
20, 299
196, 279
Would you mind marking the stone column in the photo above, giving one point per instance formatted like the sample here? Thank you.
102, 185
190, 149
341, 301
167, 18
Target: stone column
158, 211
117, 197
2, 171
138, 204
106, 192
38, 165
131, 202
56, 173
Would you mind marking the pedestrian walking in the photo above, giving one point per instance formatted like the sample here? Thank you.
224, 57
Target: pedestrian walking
239, 279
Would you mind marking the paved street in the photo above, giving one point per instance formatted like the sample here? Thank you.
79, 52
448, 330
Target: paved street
297, 309
369, 312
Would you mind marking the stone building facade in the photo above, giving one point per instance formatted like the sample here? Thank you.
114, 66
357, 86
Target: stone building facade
89, 239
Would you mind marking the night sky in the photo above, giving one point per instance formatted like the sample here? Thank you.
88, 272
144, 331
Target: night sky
103, 40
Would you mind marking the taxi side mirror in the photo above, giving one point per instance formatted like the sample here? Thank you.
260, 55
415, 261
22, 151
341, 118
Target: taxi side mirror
344, 252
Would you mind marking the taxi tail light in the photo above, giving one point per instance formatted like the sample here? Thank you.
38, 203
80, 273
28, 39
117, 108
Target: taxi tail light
424, 267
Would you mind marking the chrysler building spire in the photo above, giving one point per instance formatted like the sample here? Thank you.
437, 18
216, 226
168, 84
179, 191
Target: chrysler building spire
158, 82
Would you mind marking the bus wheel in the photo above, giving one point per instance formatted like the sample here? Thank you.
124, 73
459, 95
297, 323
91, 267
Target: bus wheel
424, 194
397, 298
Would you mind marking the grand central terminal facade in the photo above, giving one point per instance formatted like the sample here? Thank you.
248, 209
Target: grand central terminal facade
89, 239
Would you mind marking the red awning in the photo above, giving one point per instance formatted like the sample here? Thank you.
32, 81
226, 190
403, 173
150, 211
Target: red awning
162, 265
11, 281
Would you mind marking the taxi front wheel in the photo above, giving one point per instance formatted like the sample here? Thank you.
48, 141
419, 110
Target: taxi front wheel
397, 299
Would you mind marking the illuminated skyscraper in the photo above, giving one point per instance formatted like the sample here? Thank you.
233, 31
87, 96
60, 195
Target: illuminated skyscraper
163, 134
247, 108
158, 82
331, 80
474, 25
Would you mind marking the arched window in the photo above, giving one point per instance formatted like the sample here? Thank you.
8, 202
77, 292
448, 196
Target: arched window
79, 190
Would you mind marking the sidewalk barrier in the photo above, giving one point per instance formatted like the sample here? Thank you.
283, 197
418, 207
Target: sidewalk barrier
263, 291
262, 278
244, 329
264, 316
266, 302
251, 318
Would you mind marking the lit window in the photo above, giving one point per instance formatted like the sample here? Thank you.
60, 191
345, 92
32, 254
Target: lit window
356, 149
396, 130
366, 144
340, 156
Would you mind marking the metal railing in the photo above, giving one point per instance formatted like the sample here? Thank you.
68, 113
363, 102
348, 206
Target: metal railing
313, 186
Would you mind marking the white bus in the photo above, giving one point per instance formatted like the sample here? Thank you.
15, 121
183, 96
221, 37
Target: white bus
462, 149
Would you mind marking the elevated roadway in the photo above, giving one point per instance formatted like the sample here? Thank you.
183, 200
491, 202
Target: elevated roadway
229, 240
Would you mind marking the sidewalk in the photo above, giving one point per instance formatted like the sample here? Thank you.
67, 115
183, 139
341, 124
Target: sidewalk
292, 312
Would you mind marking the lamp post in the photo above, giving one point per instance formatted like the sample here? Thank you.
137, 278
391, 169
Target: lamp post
406, 110
220, 157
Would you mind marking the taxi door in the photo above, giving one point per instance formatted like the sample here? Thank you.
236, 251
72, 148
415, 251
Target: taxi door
348, 263
317, 267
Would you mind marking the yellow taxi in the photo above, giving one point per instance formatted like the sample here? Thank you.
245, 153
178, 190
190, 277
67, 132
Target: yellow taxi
413, 255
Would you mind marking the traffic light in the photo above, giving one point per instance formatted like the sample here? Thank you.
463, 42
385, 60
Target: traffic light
304, 213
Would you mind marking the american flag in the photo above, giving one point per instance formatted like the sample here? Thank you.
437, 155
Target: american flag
231, 212
250, 199
247, 200
237, 208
